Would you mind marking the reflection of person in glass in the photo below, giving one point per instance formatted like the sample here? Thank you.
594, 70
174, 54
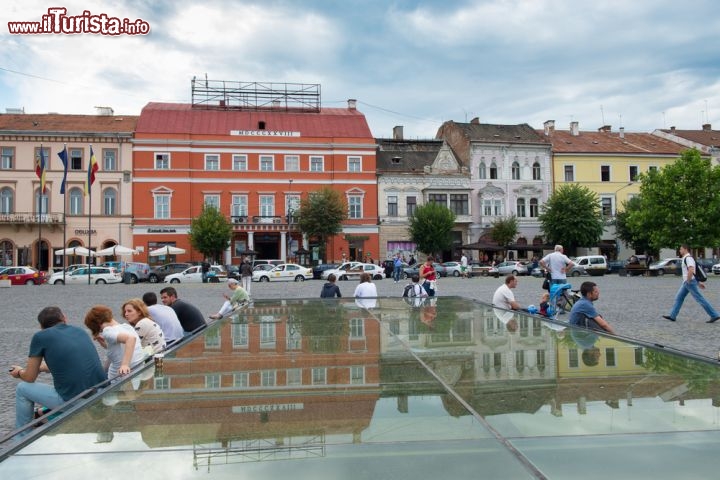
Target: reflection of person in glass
507, 317
583, 313
428, 313
585, 340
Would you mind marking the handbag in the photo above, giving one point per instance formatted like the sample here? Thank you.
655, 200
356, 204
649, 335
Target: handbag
546, 282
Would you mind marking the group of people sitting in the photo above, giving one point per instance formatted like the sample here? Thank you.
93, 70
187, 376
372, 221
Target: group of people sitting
67, 352
583, 312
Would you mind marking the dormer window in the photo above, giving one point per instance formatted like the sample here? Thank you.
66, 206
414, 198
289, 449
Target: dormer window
396, 160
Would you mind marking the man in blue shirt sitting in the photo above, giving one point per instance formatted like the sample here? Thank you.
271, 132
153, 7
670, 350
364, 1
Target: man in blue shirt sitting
66, 352
583, 313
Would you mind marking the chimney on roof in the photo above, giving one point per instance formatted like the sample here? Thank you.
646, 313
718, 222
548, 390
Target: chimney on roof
672, 129
622, 132
707, 127
398, 132
352, 104
549, 127
276, 103
605, 128
574, 129
475, 121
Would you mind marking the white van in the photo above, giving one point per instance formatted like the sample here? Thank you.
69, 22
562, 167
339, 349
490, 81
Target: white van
594, 265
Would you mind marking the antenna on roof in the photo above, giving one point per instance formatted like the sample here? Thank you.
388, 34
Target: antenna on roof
602, 114
620, 116
707, 114
664, 124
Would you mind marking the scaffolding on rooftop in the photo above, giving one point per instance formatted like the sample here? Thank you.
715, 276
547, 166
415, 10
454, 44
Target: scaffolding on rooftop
228, 95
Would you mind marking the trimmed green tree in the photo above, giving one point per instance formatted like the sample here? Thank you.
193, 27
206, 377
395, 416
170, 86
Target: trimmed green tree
321, 215
572, 217
503, 230
680, 203
634, 235
210, 233
431, 226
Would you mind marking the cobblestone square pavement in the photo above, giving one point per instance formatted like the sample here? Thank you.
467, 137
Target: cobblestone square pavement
633, 305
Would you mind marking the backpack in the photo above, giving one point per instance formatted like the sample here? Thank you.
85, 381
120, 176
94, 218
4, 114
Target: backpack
700, 274
409, 291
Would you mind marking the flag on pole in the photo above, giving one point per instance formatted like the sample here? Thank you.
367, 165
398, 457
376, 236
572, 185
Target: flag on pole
64, 159
92, 168
40, 168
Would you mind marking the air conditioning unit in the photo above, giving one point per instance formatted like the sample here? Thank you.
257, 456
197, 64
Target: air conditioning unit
237, 220
277, 220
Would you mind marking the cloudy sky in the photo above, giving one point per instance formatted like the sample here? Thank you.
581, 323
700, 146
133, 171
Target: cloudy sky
641, 64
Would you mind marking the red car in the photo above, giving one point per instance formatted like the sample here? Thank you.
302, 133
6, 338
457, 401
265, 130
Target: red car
23, 276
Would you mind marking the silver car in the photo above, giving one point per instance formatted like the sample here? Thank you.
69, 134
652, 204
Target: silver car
512, 267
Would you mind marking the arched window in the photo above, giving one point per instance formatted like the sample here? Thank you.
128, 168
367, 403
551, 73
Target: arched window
109, 201
534, 208
520, 207
536, 171
76, 201
516, 171
482, 173
6, 201
493, 171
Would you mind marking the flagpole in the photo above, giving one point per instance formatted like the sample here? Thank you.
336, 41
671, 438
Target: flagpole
63, 187
90, 180
40, 202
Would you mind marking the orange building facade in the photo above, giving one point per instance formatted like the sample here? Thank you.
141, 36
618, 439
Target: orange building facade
255, 165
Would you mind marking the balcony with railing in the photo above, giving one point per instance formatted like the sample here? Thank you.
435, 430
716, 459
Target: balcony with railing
31, 219
264, 222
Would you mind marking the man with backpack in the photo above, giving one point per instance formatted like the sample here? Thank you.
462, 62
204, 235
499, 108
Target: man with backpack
693, 278
414, 289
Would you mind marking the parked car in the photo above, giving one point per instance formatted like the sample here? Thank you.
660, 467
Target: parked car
376, 272
452, 268
408, 272
614, 266
319, 269
594, 265
283, 272
716, 269
264, 266
478, 269
23, 276
157, 274
194, 274
668, 265
266, 262
345, 266
137, 272
389, 267
98, 276
233, 271
512, 267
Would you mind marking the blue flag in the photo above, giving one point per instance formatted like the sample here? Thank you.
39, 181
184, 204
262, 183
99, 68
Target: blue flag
64, 158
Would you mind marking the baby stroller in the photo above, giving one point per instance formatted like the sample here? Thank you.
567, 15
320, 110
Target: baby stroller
562, 298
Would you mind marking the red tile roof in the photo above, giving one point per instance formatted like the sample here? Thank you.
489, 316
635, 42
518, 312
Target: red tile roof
56, 123
178, 118
709, 138
611, 143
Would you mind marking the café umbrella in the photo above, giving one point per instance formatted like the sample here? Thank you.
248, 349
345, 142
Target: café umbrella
166, 250
116, 250
79, 251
